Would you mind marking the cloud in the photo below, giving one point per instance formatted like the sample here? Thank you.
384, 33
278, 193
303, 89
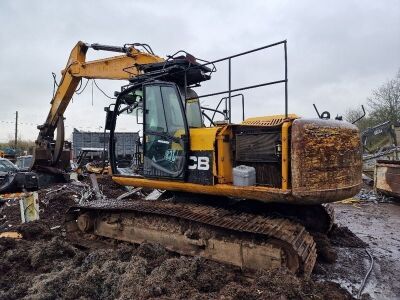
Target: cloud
338, 51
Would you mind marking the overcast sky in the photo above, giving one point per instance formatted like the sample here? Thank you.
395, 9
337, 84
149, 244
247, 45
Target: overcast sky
338, 51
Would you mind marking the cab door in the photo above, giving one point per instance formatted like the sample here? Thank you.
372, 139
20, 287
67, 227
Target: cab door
165, 132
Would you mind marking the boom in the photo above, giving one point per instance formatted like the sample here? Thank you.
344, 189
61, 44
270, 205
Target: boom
123, 67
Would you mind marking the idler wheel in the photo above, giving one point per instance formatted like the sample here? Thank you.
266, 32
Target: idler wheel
85, 223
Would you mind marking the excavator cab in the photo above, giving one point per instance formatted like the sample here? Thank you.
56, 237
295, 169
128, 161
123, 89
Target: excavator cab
165, 128
166, 132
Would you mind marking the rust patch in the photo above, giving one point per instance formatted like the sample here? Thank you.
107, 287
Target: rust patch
326, 160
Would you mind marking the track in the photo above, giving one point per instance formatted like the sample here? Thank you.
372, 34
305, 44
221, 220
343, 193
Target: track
315, 218
243, 239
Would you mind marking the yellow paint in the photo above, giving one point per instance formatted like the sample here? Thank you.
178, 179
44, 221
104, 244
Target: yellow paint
285, 155
116, 67
120, 67
274, 120
202, 139
224, 156
261, 193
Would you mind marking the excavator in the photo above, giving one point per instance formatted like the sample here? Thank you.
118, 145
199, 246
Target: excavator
248, 194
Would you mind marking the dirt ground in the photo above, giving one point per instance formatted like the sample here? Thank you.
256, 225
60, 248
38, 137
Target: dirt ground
43, 265
377, 224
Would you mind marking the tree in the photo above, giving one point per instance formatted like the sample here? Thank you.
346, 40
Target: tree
352, 115
22, 146
384, 103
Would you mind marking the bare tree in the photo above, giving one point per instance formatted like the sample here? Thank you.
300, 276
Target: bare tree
354, 114
384, 103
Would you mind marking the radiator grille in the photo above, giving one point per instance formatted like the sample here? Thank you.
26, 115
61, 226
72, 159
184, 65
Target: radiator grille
258, 150
257, 147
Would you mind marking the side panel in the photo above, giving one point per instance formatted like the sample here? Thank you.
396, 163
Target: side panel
202, 165
326, 160
224, 155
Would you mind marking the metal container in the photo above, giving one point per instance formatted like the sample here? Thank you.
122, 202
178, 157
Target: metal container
387, 177
244, 176
124, 148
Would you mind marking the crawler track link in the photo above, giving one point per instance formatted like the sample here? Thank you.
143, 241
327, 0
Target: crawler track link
262, 241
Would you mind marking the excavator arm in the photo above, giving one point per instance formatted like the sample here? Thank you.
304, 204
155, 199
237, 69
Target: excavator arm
49, 149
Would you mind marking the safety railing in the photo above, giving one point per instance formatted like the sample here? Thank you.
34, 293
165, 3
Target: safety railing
230, 90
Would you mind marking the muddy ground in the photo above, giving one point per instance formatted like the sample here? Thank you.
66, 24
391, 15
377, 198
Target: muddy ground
378, 225
43, 265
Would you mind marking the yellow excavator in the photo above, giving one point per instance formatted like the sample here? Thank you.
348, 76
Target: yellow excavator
248, 194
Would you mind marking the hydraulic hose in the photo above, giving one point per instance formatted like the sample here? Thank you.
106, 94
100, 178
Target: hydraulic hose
366, 275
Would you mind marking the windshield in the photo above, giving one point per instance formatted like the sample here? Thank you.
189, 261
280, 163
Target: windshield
193, 110
193, 113
7, 166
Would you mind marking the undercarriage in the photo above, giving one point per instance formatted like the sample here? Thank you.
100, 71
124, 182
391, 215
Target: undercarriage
257, 237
